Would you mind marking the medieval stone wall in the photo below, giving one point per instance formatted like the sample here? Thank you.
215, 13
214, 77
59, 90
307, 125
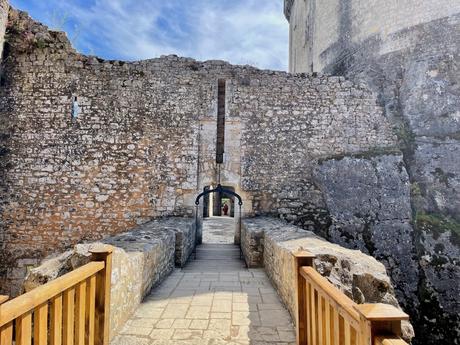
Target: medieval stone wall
143, 143
130, 154
327, 33
4, 9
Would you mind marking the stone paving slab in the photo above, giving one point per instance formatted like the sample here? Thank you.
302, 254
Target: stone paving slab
211, 308
213, 300
219, 230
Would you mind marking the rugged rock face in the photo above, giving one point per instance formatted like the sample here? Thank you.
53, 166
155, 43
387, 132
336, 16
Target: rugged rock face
369, 202
270, 243
141, 259
409, 54
420, 94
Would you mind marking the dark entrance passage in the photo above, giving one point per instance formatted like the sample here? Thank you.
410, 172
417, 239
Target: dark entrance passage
215, 204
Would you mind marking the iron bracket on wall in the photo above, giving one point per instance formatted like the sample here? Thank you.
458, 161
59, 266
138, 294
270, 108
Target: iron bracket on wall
219, 189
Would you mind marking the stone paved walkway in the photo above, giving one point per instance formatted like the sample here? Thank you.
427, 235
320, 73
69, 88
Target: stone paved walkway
219, 230
217, 301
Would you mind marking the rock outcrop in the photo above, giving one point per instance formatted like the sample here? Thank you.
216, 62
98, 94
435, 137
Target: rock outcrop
270, 243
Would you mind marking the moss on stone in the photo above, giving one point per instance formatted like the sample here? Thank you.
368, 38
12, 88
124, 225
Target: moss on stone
404, 134
437, 224
415, 190
442, 176
40, 43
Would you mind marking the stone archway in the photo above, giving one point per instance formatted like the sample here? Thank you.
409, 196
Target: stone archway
213, 209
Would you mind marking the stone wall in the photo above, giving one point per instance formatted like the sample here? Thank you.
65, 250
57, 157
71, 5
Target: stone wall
143, 143
325, 33
141, 260
184, 228
4, 7
359, 276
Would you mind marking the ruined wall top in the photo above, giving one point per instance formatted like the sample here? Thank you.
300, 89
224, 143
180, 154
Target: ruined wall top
287, 8
3, 21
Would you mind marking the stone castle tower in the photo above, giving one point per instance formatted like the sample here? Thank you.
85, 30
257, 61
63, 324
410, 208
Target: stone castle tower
408, 53
365, 154
337, 36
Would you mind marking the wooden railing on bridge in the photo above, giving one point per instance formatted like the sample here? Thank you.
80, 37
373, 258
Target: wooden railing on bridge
326, 316
70, 310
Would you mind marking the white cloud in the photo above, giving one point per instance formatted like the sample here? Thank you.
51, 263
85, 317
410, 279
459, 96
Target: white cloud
240, 31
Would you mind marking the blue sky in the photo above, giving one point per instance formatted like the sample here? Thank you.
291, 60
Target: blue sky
240, 31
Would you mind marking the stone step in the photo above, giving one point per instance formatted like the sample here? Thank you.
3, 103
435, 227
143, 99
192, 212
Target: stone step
218, 249
216, 257
218, 252
207, 265
217, 246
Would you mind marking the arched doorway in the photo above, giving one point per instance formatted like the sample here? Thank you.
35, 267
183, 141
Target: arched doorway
214, 202
226, 228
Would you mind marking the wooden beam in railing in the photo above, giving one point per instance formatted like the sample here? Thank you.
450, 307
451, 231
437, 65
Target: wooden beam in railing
301, 259
24, 329
6, 331
377, 319
41, 324
90, 309
102, 302
389, 340
32, 299
80, 313
56, 320
338, 300
68, 316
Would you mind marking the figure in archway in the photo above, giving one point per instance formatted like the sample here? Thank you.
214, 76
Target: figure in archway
225, 209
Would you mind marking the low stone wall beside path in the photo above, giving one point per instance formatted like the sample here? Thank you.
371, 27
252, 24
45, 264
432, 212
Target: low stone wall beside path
142, 258
269, 243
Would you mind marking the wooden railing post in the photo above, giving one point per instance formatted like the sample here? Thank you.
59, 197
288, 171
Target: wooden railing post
377, 319
102, 303
302, 258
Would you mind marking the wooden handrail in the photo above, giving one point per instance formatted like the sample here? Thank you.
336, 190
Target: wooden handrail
342, 302
381, 312
301, 258
102, 294
326, 316
32, 299
72, 309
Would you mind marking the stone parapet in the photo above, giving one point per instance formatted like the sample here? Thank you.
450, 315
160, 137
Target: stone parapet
142, 259
184, 229
270, 243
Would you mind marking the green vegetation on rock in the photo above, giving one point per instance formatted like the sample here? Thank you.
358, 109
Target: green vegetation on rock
437, 224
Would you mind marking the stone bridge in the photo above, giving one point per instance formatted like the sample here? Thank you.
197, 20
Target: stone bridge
166, 291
